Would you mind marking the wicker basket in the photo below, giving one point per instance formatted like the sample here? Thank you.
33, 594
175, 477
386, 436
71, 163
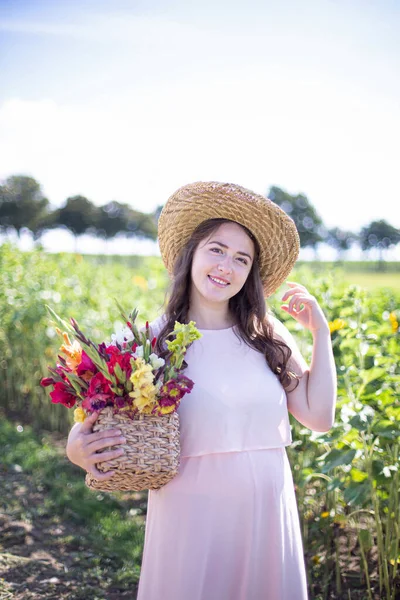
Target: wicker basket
152, 452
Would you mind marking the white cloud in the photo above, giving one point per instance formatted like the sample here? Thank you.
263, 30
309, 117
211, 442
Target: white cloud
310, 108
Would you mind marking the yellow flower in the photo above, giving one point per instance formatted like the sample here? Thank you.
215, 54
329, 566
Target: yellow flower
325, 514
79, 415
144, 396
140, 282
73, 351
336, 325
393, 321
143, 375
165, 410
316, 559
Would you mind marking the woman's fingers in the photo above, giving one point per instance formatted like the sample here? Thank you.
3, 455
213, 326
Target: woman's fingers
103, 433
99, 475
105, 442
105, 456
293, 283
296, 302
87, 424
296, 290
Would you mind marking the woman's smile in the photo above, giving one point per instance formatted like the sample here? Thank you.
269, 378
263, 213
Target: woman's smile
218, 282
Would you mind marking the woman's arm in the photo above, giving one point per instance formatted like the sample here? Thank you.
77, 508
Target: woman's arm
313, 402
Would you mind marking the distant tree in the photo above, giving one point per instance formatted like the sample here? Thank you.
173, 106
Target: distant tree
111, 219
340, 240
79, 215
22, 204
114, 218
157, 212
380, 235
308, 222
142, 225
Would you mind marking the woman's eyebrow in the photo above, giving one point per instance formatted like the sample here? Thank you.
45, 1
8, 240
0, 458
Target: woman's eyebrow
225, 246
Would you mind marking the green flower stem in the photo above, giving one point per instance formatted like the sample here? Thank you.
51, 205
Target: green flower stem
365, 564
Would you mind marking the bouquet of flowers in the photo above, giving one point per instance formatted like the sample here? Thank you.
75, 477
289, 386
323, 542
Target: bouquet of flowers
133, 389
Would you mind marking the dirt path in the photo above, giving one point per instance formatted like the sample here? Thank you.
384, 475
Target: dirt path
46, 557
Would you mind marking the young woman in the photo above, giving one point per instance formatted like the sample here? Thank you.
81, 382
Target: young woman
227, 526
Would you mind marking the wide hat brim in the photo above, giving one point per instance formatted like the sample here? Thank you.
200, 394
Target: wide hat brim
196, 202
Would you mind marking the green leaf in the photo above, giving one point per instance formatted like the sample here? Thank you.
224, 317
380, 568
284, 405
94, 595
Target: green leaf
59, 320
370, 375
387, 429
366, 539
357, 493
338, 457
335, 484
119, 373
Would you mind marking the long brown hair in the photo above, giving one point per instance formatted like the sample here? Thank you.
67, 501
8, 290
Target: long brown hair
247, 307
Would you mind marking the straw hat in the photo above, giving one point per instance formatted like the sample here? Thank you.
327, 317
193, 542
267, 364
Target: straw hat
196, 202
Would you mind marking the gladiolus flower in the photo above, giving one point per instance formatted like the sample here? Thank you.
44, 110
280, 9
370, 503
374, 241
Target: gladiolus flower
79, 415
62, 395
143, 373
72, 350
46, 381
86, 368
123, 359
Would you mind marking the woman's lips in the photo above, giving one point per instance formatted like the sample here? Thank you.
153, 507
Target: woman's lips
220, 285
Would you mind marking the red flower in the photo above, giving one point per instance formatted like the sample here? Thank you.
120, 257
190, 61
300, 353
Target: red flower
99, 393
62, 395
45, 381
123, 359
86, 368
99, 385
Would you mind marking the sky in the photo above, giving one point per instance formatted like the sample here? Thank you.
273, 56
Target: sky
130, 100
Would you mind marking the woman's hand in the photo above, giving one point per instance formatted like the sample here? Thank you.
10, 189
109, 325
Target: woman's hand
304, 308
82, 446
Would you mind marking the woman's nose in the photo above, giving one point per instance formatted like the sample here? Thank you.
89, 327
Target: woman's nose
225, 265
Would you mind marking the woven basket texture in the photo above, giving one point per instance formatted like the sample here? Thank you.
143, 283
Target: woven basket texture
196, 202
152, 452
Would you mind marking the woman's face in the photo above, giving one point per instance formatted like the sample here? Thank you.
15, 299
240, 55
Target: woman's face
227, 255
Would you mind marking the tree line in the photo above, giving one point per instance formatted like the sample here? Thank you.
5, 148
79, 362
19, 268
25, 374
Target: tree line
23, 205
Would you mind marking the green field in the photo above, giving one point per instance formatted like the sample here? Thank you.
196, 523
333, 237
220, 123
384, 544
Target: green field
347, 480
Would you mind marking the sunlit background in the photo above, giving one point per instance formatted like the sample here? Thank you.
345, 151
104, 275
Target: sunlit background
127, 101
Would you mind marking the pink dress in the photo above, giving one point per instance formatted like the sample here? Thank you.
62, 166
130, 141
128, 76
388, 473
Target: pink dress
227, 526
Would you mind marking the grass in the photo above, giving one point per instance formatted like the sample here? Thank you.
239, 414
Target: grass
54, 529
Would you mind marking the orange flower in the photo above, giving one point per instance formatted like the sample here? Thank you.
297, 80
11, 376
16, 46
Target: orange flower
73, 351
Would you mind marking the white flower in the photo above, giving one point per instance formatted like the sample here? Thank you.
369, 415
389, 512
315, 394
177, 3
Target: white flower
155, 361
121, 335
138, 352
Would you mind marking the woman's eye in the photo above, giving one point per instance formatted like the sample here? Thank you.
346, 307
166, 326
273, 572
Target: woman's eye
244, 261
